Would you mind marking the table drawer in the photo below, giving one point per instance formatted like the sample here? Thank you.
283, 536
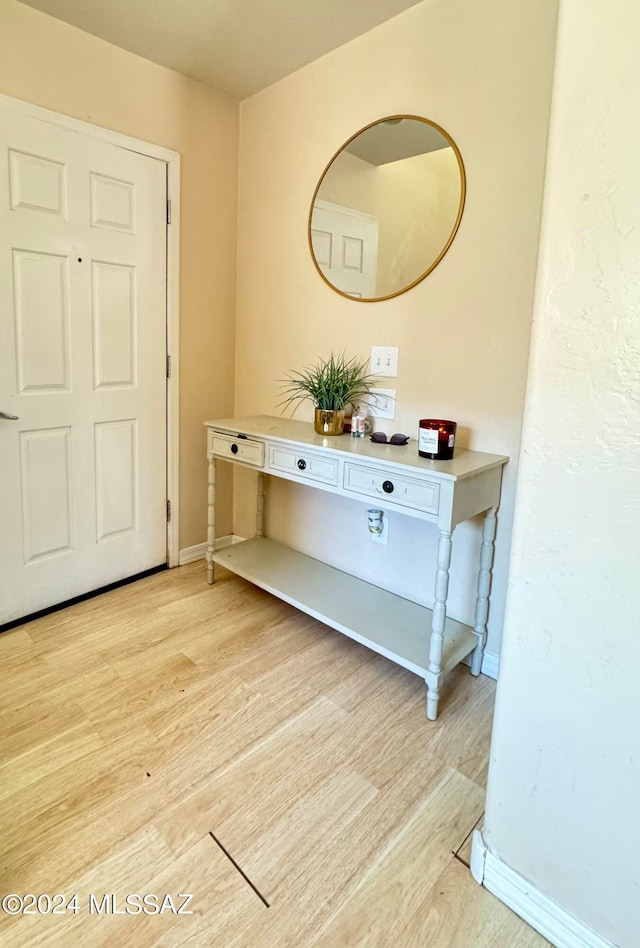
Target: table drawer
392, 487
235, 448
305, 465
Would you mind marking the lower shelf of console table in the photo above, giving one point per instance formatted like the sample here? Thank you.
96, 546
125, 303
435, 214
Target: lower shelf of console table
386, 623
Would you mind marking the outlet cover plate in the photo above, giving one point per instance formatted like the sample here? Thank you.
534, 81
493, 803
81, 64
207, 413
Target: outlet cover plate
384, 404
384, 536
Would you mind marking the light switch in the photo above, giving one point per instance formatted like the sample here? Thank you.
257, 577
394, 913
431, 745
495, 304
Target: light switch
384, 361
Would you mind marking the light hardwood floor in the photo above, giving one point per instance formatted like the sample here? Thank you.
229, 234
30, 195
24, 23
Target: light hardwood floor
151, 733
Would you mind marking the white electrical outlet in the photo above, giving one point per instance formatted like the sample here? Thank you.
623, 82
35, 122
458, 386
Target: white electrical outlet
382, 403
384, 361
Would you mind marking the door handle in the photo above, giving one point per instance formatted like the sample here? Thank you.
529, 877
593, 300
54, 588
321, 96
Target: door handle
8, 417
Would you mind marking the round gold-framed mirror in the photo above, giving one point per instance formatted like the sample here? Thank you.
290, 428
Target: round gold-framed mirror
386, 208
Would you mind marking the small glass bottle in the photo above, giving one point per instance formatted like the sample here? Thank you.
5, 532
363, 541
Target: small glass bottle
358, 421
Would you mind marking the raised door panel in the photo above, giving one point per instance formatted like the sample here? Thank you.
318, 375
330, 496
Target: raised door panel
37, 184
322, 243
353, 254
113, 203
114, 324
117, 487
45, 468
41, 314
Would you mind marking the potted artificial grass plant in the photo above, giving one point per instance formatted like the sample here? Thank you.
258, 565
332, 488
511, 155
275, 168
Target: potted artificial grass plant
331, 384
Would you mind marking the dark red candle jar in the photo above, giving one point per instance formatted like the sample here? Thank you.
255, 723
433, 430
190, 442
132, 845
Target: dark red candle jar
436, 439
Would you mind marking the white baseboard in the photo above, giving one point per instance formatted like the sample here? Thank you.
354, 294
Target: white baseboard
192, 553
541, 912
490, 664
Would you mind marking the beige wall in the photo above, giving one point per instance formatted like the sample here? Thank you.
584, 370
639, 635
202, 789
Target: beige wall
563, 800
483, 72
350, 182
418, 203
51, 64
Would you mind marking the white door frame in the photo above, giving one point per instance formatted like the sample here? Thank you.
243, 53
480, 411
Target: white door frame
172, 161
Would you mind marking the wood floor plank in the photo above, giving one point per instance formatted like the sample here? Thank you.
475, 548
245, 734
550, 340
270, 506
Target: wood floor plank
145, 867
458, 913
336, 857
22, 726
38, 677
17, 645
55, 828
22, 676
131, 864
313, 670
61, 751
255, 789
463, 746
378, 681
145, 696
263, 649
386, 905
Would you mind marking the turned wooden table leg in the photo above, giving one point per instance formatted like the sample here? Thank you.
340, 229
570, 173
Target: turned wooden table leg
437, 624
260, 506
484, 588
211, 518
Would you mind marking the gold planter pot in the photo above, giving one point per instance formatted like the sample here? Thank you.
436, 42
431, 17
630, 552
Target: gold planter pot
328, 422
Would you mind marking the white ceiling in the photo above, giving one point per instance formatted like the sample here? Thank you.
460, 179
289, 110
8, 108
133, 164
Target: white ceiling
236, 46
396, 139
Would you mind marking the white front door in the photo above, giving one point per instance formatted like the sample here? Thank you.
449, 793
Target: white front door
345, 245
82, 364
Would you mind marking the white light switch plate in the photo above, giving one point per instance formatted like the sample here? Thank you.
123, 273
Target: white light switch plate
384, 361
384, 403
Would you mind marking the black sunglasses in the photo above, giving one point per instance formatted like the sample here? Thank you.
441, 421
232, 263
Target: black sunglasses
379, 437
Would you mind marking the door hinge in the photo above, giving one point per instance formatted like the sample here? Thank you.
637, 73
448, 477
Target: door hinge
168, 511
168, 366
168, 211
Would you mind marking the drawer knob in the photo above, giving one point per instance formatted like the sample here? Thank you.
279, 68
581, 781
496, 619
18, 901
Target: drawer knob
302, 464
234, 448
387, 487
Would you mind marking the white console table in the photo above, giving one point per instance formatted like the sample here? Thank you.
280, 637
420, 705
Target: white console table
395, 478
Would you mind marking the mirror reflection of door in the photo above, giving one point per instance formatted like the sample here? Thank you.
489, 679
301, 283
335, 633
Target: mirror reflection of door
345, 244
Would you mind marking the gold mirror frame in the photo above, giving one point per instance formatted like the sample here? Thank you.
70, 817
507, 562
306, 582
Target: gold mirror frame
449, 241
